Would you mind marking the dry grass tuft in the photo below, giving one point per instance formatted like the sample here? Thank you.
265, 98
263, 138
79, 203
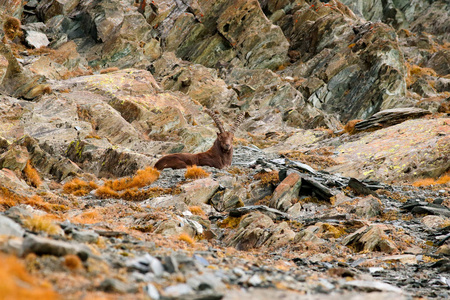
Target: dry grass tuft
268, 178
415, 72
16, 283
109, 70
142, 178
197, 210
88, 217
186, 238
230, 222
350, 126
41, 223
72, 262
32, 175
105, 192
195, 172
78, 187
11, 27
9, 199
430, 181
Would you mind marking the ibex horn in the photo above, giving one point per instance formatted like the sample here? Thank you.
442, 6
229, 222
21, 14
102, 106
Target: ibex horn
216, 120
238, 122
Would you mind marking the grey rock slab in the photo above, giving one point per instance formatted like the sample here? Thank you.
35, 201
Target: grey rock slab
36, 39
88, 236
152, 291
146, 264
10, 228
373, 286
178, 290
206, 281
45, 246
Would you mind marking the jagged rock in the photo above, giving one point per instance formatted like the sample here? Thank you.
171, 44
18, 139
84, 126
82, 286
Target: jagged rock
46, 246
36, 39
50, 8
370, 238
307, 235
442, 85
286, 192
391, 117
274, 214
10, 228
234, 29
199, 191
146, 264
369, 207
15, 158
423, 88
12, 8
175, 227
349, 70
439, 62
18, 81
178, 290
251, 233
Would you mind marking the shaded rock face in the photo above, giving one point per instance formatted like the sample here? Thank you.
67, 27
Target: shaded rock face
229, 30
362, 71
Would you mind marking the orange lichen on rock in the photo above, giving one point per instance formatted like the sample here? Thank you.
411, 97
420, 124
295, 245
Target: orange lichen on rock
79, 187
350, 126
195, 172
32, 175
16, 283
142, 178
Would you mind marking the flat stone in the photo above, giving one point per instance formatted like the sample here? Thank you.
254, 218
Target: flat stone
374, 286
45, 246
85, 236
199, 191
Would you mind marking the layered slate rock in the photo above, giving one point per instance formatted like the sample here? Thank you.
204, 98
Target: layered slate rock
358, 66
208, 32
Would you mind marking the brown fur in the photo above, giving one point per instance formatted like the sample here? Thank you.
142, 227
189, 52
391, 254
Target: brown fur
218, 156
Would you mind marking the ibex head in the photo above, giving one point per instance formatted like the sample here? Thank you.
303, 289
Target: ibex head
225, 138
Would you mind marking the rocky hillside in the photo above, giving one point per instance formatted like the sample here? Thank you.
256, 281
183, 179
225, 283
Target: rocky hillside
340, 181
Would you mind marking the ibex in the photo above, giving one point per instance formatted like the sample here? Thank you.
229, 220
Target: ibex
218, 156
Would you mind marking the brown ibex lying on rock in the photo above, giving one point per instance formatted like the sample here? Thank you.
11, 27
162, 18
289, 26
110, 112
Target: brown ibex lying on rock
218, 156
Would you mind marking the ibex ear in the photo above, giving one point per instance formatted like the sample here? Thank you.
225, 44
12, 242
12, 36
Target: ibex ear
217, 133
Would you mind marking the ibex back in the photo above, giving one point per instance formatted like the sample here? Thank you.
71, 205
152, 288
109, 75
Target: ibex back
218, 156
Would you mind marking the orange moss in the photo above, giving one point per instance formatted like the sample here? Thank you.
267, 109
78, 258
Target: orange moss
8, 198
415, 72
268, 177
142, 178
430, 181
32, 175
88, 217
72, 262
186, 238
350, 126
230, 222
16, 283
197, 210
195, 172
79, 187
